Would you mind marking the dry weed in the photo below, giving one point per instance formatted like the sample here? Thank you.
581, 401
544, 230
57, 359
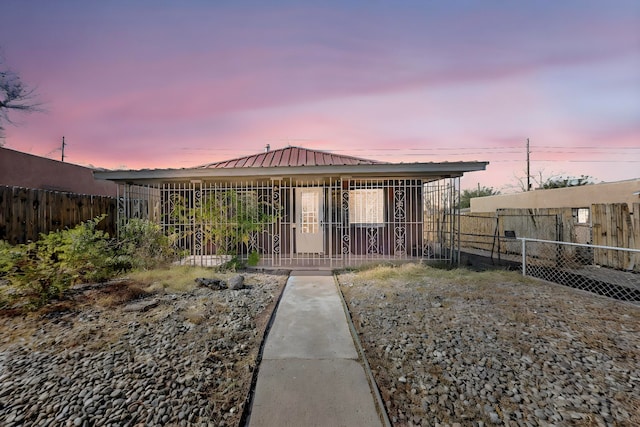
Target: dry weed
195, 315
118, 294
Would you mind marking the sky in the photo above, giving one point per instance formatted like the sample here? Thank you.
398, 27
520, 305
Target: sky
166, 84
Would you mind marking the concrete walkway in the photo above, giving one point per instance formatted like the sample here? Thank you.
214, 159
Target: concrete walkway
310, 374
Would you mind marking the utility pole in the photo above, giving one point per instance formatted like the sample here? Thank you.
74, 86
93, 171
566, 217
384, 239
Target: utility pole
528, 168
63, 145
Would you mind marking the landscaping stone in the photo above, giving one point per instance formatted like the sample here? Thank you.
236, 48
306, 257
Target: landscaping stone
171, 359
141, 306
215, 284
533, 354
236, 282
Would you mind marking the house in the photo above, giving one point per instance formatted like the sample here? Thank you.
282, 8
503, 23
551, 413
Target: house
19, 169
578, 197
40, 195
296, 206
590, 218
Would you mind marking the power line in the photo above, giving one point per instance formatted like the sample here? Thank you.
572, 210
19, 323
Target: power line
566, 161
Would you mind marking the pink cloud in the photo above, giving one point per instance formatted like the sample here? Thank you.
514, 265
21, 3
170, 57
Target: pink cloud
136, 88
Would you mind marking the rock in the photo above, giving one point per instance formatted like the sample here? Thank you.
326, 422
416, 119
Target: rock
215, 284
539, 413
236, 282
141, 306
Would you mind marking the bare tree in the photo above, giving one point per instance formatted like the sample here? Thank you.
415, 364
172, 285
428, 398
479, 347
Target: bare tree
543, 180
537, 179
14, 96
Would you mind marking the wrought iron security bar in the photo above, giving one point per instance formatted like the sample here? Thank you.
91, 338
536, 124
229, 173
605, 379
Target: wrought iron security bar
356, 220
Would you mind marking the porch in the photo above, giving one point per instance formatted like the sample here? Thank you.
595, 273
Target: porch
311, 222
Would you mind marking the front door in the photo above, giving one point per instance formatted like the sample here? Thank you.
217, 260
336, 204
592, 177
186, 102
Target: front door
309, 209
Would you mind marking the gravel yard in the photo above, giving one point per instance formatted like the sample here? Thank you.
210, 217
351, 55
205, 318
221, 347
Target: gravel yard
446, 348
166, 358
493, 348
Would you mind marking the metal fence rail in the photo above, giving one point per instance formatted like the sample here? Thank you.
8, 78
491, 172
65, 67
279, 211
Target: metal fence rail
572, 264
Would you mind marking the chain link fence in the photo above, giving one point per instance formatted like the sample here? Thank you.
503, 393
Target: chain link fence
584, 267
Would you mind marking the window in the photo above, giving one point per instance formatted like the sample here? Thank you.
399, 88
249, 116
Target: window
309, 208
366, 206
581, 215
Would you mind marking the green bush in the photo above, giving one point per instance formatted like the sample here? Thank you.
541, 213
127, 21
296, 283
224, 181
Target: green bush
8, 256
253, 259
143, 245
45, 269
234, 264
33, 272
87, 252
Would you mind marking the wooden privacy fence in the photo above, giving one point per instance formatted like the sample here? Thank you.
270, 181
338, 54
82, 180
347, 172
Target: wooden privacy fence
497, 232
26, 213
614, 225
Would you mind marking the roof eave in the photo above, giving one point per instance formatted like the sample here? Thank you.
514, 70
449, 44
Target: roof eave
448, 169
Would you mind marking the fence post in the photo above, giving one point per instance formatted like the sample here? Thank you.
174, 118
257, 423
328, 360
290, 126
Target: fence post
524, 256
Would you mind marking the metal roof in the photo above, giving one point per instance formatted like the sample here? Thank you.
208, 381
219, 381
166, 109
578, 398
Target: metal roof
291, 157
421, 170
294, 162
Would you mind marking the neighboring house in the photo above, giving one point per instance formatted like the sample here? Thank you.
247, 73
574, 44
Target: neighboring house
604, 207
569, 197
296, 206
26, 170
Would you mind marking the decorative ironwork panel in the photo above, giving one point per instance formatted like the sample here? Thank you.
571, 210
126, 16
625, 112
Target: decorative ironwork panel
275, 199
197, 241
275, 242
346, 243
197, 198
346, 238
253, 242
400, 215
275, 235
400, 241
399, 205
122, 213
372, 240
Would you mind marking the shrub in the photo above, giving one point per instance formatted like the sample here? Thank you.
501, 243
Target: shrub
33, 272
45, 269
87, 252
254, 258
143, 244
234, 264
